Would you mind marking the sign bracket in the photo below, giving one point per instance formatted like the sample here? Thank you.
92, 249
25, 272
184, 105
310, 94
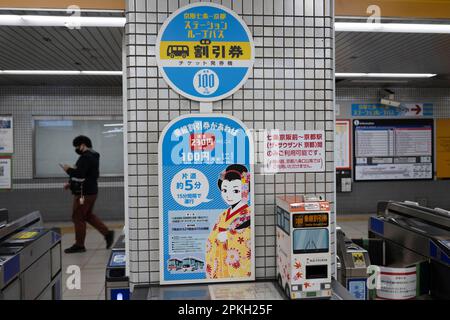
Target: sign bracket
206, 107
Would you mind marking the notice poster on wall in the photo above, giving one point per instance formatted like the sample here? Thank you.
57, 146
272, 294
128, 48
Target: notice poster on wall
206, 200
443, 148
342, 143
393, 149
6, 135
5, 173
294, 151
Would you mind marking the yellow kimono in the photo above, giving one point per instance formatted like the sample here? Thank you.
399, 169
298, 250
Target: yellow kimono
228, 248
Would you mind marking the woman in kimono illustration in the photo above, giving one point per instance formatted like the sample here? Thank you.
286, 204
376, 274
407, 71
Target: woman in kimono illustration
228, 248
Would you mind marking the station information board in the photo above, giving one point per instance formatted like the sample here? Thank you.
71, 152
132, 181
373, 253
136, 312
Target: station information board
393, 149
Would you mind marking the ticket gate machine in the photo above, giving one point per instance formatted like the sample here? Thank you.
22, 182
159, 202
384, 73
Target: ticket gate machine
30, 260
353, 261
116, 282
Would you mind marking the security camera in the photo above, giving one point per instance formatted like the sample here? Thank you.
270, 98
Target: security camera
390, 103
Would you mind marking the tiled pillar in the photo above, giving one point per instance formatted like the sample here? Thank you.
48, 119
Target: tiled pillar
291, 88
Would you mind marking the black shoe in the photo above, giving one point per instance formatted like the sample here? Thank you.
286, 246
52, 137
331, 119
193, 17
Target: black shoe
109, 238
75, 249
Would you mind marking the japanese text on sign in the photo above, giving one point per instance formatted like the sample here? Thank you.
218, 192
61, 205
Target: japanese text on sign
294, 151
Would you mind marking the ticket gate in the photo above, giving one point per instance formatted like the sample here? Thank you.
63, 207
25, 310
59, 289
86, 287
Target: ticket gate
116, 282
413, 233
30, 260
352, 266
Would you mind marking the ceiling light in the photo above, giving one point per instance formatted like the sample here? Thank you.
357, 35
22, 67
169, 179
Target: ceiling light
60, 21
60, 72
379, 81
113, 125
391, 27
385, 75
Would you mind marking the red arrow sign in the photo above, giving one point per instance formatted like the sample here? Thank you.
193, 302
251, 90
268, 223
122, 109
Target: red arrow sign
417, 109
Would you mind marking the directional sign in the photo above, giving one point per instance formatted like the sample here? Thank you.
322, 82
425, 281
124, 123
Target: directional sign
205, 51
404, 110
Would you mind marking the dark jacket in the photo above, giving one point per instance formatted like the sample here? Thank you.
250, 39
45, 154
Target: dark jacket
87, 167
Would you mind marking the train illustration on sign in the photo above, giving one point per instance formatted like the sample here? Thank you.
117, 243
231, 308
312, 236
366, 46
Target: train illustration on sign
188, 264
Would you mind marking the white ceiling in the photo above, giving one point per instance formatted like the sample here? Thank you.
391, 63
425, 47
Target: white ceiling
51, 48
55, 48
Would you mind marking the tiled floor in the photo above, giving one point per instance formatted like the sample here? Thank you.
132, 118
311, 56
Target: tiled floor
93, 264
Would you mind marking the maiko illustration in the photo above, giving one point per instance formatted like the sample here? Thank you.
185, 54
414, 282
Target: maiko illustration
228, 248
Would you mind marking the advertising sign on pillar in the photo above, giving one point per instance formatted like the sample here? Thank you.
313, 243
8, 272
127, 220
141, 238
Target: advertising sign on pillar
206, 200
294, 151
205, 52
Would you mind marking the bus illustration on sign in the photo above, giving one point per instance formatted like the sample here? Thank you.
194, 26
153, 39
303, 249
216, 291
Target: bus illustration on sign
184, 265
303, 247
174, 264
178, 51
192, 264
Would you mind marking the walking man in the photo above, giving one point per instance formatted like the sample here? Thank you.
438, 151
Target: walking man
84, 187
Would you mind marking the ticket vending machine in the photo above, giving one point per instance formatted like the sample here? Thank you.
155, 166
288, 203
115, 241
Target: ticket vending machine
303, 247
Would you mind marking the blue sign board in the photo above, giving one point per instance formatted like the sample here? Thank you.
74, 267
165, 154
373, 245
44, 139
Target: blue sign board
206, 200
205, 51
404, 110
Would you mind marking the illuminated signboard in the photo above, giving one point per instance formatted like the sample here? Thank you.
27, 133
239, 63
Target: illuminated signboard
310, 220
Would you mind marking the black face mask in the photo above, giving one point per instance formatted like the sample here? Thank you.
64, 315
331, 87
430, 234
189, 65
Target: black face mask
78, 151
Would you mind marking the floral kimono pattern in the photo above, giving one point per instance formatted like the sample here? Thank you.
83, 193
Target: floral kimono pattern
230, 257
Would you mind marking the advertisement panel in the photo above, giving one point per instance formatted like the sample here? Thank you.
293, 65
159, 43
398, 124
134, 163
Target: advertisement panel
342, 141
6, 135
442, 148
5, 173
206, 200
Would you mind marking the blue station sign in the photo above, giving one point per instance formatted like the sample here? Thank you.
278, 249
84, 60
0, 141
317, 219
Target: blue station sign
205, 52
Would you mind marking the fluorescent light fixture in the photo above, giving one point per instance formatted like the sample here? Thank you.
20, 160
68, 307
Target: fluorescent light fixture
61, 72
60, 21
385, 75
101, 73
379, 81
113, 125
391, 27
